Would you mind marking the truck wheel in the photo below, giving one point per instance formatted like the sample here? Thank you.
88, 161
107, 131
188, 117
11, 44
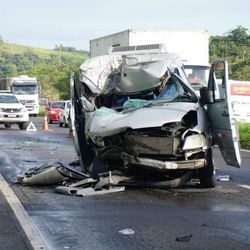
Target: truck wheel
206, 174
60, 124
7, 125
23, 125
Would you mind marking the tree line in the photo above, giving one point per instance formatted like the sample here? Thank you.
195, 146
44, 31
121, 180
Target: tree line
235, 48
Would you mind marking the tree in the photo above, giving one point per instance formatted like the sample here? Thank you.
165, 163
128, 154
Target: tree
239, 35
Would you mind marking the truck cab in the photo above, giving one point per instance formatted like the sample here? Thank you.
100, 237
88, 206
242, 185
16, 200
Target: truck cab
26, 89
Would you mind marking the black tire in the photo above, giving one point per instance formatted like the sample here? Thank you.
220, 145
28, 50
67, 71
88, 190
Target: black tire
60, 124
23, 125
7, 125
207, 173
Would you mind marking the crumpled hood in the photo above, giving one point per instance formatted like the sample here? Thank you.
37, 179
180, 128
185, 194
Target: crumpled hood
106, 122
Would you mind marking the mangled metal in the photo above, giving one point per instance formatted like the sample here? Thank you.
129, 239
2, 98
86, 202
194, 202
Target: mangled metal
138, 111
89, 187
70, 180
49, 174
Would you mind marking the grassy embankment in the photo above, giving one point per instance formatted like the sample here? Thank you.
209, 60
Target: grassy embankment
52, 68
244, 135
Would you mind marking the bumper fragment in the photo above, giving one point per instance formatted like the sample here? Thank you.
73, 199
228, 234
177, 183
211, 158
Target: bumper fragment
164, 165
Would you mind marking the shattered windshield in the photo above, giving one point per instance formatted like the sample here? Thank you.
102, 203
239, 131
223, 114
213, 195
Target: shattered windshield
174, 90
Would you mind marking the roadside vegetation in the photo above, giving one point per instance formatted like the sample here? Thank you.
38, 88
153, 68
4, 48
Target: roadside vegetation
234, 46
244, 129
51, 67
42, 110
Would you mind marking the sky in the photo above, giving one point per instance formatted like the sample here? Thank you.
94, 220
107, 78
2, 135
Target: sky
47, 23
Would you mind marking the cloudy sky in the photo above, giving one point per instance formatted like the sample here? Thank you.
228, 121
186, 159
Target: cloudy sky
46, 23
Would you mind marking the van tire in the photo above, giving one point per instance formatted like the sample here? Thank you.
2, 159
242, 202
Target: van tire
207, 173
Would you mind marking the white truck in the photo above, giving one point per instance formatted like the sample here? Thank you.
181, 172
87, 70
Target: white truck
26, 90
191, 45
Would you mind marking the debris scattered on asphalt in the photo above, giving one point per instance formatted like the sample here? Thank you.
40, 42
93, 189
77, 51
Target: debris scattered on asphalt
185, 238
72, 181
90, 186
30, 160
223, 178
87, 191
126, 231
48, 174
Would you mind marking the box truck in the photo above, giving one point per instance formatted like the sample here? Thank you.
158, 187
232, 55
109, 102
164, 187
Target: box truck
191, 45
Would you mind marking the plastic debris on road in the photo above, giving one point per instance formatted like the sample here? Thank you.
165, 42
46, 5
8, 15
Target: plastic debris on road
223, 178
126, 231
185, 238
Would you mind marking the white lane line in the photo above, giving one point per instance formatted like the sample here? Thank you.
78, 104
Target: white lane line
36, 239
244, 186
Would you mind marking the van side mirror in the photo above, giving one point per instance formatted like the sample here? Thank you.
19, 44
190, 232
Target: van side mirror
204, 99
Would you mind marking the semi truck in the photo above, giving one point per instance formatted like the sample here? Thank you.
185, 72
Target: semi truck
191, 45
26, 90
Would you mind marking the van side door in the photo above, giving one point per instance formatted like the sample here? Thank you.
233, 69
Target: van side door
224, 127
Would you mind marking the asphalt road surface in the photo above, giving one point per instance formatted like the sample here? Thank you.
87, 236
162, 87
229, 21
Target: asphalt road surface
182, 218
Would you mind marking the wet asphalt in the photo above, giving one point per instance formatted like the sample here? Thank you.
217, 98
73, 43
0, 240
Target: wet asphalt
182, 218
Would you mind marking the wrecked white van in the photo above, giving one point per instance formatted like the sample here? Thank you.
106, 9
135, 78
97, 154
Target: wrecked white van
136, 112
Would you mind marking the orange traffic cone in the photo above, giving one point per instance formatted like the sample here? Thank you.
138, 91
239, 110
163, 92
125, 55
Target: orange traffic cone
45, 123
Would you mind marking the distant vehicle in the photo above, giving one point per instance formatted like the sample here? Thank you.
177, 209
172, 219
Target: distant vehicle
12, 111
137, 113
26, 90
53, 110
65, 114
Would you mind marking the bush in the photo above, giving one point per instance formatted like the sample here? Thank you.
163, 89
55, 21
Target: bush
244, 135
42, 110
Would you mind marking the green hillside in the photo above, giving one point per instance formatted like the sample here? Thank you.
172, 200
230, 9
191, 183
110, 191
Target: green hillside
51, 67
